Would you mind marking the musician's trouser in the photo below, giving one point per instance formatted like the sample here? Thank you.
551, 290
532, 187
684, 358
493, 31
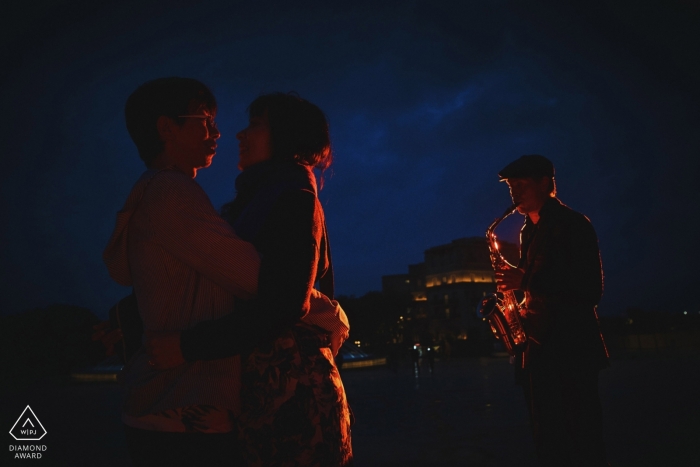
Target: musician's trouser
565, 415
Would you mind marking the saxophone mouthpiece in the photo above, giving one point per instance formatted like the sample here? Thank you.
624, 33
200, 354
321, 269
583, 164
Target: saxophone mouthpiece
511, 209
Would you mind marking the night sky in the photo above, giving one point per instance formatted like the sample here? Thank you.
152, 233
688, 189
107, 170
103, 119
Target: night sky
427, 101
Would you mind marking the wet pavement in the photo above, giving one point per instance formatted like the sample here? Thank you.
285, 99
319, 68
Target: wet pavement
467, 413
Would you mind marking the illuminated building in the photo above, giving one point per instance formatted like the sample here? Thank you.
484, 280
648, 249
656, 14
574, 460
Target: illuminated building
445, 289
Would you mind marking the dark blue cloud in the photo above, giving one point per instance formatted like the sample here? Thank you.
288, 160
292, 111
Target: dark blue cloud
426, 103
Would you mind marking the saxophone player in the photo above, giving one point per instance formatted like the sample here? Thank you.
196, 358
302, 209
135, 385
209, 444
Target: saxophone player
560, 272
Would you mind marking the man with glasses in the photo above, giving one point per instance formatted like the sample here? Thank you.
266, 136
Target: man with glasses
186, 265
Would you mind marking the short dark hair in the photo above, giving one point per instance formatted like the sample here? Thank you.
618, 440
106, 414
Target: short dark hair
168, 97
298, 129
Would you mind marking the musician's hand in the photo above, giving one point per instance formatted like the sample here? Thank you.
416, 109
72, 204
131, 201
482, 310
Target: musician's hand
163, 349
104, 333
509, 278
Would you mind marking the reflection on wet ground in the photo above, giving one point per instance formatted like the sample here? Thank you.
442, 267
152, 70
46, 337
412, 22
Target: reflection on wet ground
467, 413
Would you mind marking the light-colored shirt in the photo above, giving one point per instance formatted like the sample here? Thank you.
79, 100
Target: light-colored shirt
186, 264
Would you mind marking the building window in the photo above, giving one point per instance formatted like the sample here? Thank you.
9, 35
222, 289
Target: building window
447, 313
447, 298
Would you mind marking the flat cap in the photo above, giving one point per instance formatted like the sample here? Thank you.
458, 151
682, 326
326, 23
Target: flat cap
529, 166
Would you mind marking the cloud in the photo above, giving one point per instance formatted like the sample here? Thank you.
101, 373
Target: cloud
426, 103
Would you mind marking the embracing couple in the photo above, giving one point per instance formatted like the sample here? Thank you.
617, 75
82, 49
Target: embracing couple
237, 366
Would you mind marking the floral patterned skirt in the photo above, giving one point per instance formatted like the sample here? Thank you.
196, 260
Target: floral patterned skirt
294, 410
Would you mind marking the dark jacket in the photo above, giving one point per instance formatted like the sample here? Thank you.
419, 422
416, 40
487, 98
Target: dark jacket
564, 283
276, 209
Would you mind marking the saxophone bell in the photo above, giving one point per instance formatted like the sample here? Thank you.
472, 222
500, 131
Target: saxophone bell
502, 309
491, 308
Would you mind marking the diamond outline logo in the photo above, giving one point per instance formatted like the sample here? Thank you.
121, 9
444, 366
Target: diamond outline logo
30, 422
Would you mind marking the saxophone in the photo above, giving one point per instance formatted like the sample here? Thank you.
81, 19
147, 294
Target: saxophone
502, 309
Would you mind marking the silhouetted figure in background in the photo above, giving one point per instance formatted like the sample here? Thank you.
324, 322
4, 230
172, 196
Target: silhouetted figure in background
446, 349
415, 359
430, 355
560, 272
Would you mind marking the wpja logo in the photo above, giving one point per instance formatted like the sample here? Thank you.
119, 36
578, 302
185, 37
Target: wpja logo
28, 428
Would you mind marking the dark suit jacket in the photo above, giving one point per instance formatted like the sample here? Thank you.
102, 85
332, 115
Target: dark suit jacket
564, 283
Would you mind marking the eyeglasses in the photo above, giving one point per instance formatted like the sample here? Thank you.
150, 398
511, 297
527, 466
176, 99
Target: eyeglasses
210, 119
